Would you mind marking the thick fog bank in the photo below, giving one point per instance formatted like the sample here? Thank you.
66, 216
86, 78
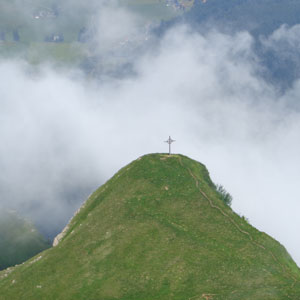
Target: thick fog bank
63, 135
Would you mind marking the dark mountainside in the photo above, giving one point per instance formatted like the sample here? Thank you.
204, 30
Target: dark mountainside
19, 239
258, 17
158, 229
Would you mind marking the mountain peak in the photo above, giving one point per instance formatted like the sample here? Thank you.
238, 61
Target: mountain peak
158, 229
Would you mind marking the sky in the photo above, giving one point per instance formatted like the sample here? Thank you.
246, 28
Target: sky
63, 135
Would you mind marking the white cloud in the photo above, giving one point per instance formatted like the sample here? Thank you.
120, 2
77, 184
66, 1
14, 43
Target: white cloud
58, 133
123, 26
284, 38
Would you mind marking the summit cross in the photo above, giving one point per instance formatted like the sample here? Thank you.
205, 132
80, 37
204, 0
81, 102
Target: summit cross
170, 141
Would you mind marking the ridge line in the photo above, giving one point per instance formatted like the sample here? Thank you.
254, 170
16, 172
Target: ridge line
237, 226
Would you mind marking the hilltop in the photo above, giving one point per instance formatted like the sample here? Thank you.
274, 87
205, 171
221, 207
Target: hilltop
158, 229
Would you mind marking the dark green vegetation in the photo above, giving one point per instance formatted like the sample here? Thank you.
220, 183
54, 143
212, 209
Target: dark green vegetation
157, 230
224, 195
19, 240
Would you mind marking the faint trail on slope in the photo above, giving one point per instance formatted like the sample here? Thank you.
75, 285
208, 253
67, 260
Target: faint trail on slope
236, 225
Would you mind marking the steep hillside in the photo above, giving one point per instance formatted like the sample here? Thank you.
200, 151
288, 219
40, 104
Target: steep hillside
157, 230
19, 240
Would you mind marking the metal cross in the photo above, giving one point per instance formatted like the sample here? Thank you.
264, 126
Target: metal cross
170, 141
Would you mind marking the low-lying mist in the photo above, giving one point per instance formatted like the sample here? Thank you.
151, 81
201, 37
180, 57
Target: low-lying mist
63, 134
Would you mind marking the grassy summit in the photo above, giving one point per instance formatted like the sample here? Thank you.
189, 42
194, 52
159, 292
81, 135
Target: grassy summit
157, 230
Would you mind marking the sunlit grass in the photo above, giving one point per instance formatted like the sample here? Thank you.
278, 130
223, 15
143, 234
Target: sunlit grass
158, 230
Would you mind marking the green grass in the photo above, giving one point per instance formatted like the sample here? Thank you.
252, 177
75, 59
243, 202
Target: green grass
151, 233
40, 52
32, 32
57, 52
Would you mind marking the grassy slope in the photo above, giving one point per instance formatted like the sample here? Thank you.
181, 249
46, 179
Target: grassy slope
33, 32
151, 233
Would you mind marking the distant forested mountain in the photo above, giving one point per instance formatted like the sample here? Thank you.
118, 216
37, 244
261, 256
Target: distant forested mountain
257, 16
19, 239
278, 53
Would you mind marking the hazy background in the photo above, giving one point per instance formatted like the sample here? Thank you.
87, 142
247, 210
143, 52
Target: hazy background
63, 133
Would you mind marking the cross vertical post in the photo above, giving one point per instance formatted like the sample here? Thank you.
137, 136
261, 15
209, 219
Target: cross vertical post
170, 141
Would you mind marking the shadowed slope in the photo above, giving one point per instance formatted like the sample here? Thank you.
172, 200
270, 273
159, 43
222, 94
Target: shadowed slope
19, 239
157, 230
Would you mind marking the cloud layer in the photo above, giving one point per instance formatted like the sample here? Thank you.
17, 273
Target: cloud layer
62, 135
